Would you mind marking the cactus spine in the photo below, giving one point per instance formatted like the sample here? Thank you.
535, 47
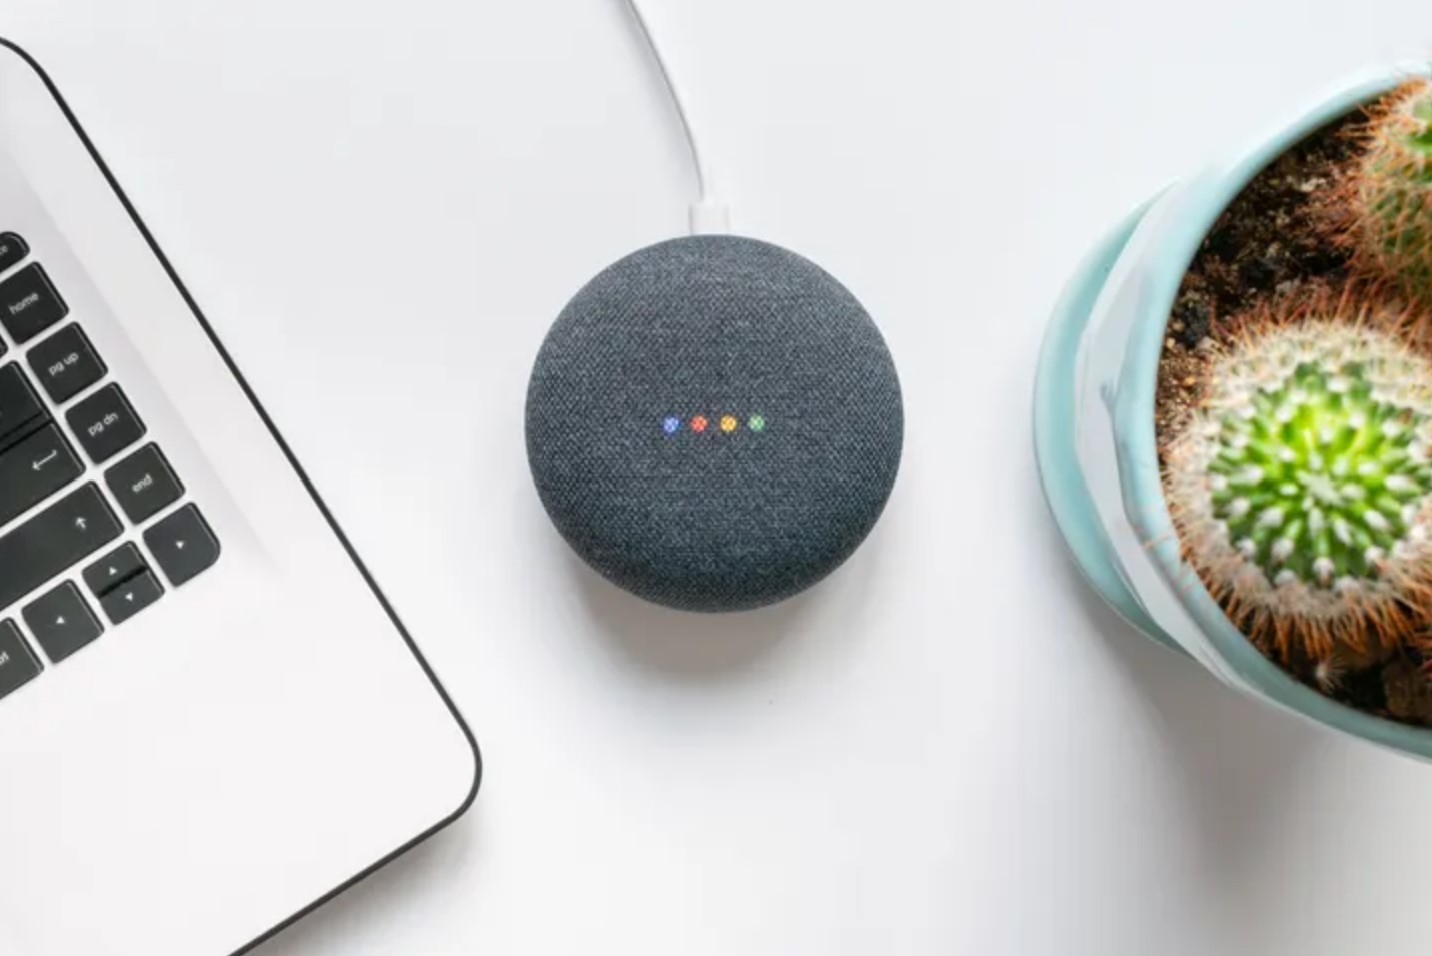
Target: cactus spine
1383, 210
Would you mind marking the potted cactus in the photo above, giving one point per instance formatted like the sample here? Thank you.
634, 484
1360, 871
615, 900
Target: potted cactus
1382, 208
1234, 415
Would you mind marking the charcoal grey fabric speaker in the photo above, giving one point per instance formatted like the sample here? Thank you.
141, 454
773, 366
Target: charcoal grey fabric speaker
714, 423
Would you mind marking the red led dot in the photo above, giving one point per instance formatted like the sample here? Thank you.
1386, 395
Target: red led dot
698, 424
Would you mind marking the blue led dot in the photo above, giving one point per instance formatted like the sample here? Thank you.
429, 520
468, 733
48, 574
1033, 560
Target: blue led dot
671, 425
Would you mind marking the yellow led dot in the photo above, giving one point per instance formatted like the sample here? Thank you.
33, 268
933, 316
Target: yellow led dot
728, 423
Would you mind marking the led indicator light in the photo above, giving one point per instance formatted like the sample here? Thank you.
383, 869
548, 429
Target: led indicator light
700, 424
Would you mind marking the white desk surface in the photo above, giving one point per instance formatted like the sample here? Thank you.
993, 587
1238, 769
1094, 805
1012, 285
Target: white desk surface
950, 747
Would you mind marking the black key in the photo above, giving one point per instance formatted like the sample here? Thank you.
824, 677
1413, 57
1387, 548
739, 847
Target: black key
183, 544
62, 622
105, 423
131, 597
34, 469
66, 364
20, 407
114, 569
13, 250
17, 662
54, 541
29, 304
143, 483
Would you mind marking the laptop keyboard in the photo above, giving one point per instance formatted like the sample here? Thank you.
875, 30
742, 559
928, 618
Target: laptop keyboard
56, 406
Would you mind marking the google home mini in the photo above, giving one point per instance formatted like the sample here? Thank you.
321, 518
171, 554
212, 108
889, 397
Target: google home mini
714, 423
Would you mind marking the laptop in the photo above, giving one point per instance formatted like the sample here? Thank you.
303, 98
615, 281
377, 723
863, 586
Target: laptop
210, 718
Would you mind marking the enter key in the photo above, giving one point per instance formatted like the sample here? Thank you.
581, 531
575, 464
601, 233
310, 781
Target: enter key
33, 470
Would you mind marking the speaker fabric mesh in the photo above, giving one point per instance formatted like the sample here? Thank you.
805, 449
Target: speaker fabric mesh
787, 415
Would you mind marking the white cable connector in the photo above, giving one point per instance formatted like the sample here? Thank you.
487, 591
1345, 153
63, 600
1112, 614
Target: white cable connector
709, 217
708, 214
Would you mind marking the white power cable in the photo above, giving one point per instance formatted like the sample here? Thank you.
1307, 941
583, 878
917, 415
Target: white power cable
708, 214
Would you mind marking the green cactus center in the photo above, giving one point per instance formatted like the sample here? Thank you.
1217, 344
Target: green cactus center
1319, 479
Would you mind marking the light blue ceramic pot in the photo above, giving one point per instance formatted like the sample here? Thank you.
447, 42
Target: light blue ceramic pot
1094, 428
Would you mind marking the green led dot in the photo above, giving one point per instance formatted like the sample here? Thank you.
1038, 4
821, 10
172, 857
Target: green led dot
757, 423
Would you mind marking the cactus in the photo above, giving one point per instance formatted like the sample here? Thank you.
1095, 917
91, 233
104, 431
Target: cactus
1382, 210
1301, 488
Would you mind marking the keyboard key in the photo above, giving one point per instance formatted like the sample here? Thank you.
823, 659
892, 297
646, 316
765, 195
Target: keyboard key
20, 407
62, 622
29, 304
34, 469
54, 541
13, 250
131, 597
105, 423
183, 544
114, 569
143, 484
65, 364
18, 665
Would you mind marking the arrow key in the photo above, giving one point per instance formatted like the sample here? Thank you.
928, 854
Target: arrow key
183, 544
62, 622
114, 569
131, 597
